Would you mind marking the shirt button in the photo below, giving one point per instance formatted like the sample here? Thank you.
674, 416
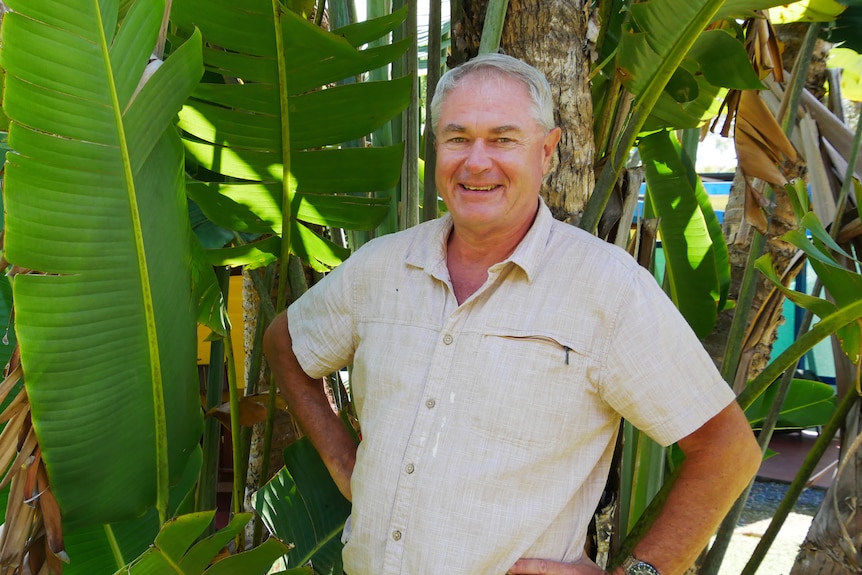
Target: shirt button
430, 403
448, 339
396, 535
410, 468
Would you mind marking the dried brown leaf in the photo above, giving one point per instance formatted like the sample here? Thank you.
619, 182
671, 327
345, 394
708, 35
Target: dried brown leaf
252, 410
51, 516
760, 143
25, 453
9, 440
19, 522
10, 381
754, 204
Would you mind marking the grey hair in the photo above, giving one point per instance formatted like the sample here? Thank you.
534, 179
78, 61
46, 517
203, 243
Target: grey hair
533, 80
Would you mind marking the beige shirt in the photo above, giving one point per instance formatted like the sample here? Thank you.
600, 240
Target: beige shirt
488, 428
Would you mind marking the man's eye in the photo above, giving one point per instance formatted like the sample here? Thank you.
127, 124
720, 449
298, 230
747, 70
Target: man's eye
458, 140
504, 140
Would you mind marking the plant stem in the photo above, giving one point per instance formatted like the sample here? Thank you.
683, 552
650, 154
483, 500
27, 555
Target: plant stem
795, 489
492, 30
208, 485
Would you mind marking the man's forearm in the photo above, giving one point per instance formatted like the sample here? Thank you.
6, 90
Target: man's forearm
308, 403
721, 458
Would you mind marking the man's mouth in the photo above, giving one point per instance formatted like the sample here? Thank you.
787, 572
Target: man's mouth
478, 188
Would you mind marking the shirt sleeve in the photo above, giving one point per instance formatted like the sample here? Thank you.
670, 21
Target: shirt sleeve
321, 323
659, 376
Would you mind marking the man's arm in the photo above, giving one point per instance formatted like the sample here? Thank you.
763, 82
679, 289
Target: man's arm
720, 459
308, 403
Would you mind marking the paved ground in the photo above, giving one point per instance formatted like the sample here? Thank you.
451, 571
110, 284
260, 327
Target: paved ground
762, 502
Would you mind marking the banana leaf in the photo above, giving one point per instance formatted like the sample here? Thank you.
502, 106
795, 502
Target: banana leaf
716, 62
845, 29
106, 548
808, 404
844, 286
269, 137
95, 203
698, 269
302, 506
176, 551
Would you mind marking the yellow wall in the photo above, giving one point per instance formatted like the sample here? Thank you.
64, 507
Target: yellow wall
234, 311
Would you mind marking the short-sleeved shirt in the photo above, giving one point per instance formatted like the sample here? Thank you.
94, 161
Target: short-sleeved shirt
488, 427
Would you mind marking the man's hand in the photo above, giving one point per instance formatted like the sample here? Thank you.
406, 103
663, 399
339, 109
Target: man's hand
544, 567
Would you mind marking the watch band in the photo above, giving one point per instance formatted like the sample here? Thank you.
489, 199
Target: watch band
634, 566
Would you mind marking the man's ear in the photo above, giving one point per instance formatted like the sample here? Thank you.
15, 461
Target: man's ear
548, 147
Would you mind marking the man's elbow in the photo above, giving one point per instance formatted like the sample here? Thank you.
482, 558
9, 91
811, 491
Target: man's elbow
276, 337
750, 457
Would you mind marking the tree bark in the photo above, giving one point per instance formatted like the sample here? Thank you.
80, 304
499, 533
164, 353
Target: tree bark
834, 539
552, 36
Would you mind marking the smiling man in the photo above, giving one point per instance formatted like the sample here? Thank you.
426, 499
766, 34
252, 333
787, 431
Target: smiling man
494, 351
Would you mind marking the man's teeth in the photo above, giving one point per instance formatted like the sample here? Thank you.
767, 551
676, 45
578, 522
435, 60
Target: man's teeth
479, 188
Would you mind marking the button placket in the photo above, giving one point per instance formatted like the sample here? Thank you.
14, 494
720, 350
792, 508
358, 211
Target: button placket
416, 446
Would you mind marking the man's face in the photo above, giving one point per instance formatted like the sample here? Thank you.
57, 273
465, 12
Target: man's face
491, 154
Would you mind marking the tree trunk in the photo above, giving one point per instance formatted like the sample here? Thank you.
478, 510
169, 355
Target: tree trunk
552, 36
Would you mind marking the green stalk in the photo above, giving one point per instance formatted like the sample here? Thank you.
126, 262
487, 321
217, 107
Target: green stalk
233, 394
429, 196
848, 181
808, 465
286, 178
790, 105
284, 257
207, 492
411, 196
739, 323
492, 30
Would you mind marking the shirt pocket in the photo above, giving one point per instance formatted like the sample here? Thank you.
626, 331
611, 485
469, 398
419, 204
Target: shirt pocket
528, 389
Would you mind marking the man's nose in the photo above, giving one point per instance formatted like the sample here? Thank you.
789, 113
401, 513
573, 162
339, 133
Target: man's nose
478, 157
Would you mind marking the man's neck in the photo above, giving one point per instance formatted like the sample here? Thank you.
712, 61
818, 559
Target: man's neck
469, 256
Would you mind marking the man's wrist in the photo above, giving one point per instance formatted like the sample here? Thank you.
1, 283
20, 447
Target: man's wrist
634, 566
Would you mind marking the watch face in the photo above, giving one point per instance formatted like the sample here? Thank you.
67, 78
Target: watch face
634, 567
641, 568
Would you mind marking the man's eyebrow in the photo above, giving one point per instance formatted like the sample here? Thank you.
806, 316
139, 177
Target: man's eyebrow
459, 129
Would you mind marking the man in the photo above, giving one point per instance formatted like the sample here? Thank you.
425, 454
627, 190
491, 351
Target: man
494, 351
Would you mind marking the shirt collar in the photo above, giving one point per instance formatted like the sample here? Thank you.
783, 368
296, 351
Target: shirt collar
428, 250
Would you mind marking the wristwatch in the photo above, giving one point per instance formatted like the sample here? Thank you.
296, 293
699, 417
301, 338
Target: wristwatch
634, 566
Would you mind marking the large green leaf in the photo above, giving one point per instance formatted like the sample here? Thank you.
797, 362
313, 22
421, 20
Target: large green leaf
808, 404
845, 29
697, 264
95, 201
716, 62
303, 507
106, 548
272, 138
844, 285
177, 550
